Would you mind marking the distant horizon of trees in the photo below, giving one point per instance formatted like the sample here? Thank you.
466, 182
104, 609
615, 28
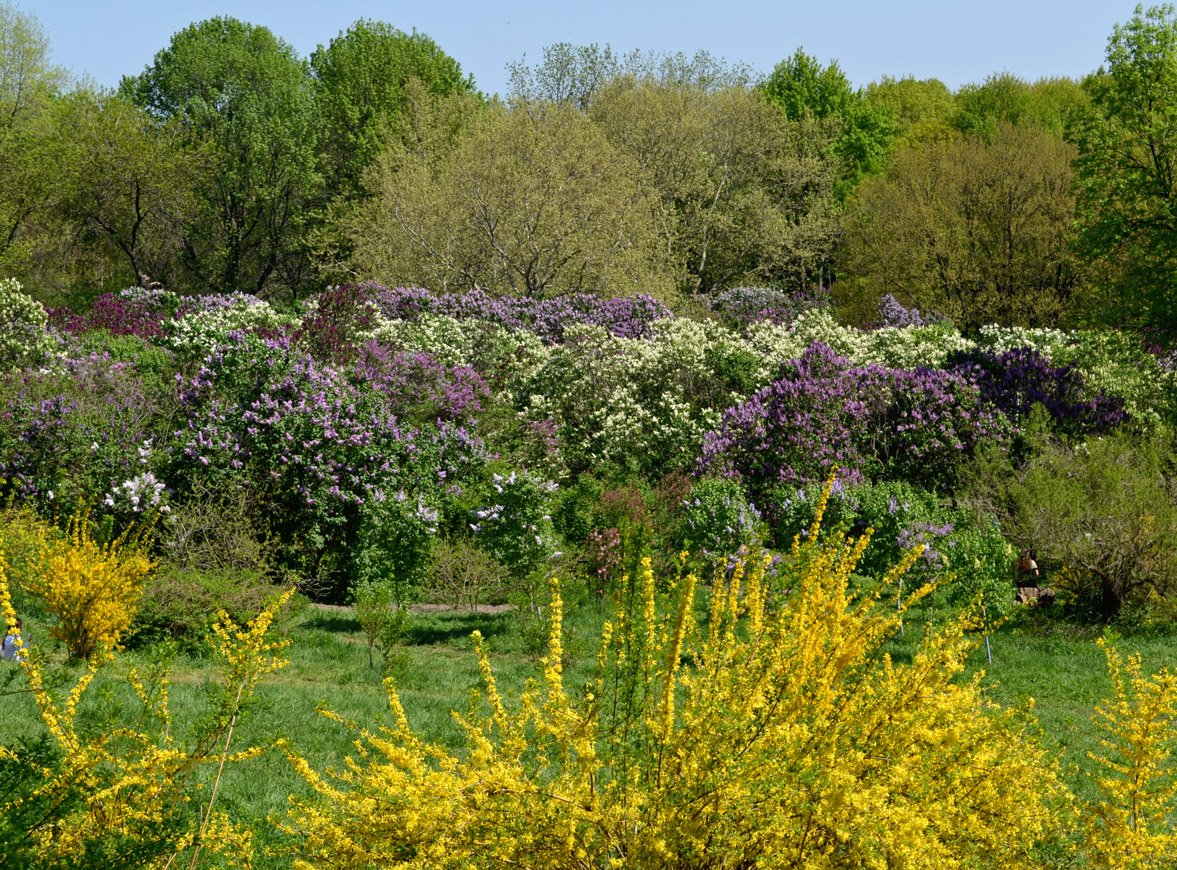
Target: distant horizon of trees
232, 163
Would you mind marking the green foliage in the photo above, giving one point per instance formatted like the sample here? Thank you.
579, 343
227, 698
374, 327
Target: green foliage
718, 521
922, 108
127, 182
180, 606
978, 230
1102, 518
360, 86
1125, 172
244, 94
463, 576
381, 616
1003, 98
800, 87
746, 193
534, 202
395, 542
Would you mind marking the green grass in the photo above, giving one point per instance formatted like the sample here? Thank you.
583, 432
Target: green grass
1056, 664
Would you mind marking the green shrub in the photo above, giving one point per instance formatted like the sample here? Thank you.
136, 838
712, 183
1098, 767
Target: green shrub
1101, 517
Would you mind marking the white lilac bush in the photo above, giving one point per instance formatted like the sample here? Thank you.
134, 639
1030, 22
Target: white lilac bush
24, 335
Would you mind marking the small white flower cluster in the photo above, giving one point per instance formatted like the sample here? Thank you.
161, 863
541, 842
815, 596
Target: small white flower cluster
140, 493
200, 332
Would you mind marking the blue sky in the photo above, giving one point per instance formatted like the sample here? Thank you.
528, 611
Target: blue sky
957, 42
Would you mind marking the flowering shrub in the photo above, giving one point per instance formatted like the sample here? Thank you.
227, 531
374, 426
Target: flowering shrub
311, 446
329, 328
639, 404
76, 433
689, 732
134, 311
823, 412
717, 518
127, 791
505, 358
24, 340
516, 526
901, 347
1113, 362
894, 313
900, 516
92, 589
420, 387
1017, 379
548, 319
1130, 823
741, 306
204, 322
395, 542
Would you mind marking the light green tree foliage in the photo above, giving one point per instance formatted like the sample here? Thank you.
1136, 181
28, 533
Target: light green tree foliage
747, 195
802, 88
1004, 98
127, 183
28, 82
246, 95
977, 230
361, 79
1127, 171
568, 75
532, 200
923, 108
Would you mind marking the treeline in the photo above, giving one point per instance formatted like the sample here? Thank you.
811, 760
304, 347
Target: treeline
233, 164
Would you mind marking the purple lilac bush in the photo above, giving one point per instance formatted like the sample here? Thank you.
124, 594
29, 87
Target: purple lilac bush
626, 317
134, 311
313, 444
69, 435
421, 388
1015, 380
741, 306
870, 421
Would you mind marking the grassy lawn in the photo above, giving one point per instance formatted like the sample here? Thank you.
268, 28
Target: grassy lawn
1057, 665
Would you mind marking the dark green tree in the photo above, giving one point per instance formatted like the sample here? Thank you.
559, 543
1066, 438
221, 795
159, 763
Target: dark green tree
1127, 172
245, 95
361, 80
802, 88
126, 182
977, 229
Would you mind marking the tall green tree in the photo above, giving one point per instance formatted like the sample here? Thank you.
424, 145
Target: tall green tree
1004, 98
977, 229
244, 94
361, 80
922, 108
28, 84
127, 181
530, 201
747, 193
802, 88
1127, 171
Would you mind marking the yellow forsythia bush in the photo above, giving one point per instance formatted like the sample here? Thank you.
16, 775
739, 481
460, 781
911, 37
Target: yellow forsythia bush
93, 589
128, 794
771, 732
1131, 828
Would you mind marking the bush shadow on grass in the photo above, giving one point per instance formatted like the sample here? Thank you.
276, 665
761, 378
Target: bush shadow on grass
438, 628
333, 623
